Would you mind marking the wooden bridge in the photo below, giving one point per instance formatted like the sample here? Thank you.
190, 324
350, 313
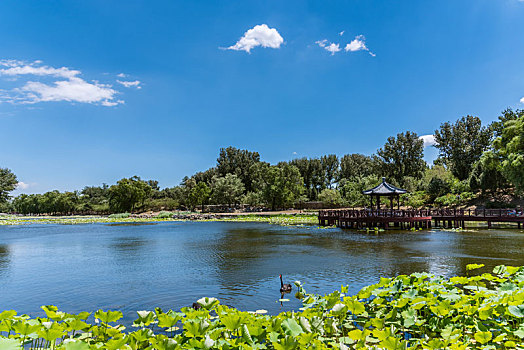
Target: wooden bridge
416, 218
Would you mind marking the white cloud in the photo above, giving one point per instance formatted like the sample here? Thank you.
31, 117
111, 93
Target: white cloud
342, 32
121, 75
129, 84
54, 84
331, 47
259, 35
429, 140
522, 99
295, 153
358, 44
72, 90
22, 186
62, 72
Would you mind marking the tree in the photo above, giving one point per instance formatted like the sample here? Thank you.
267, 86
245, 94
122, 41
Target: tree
127, 193
95, 194
205, 176
461, 144
486, 174
237, 162
8, 183
199, 195
402, 156
437, 180
331, 198
351, 191
280, 185
509, 151
312, 174
330, 169
498, 126
227, 189
355, 165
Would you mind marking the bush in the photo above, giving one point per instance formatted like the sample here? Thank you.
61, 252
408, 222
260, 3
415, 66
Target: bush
415, 199
164, 215
331, 198
451, 199
119, 216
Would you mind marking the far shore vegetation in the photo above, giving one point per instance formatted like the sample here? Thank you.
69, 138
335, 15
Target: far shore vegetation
478, 165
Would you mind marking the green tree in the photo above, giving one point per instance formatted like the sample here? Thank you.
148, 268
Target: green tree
127, 193
8, 183
199, 195
351, 191
509, 151
330, 165
312, 174
401, 157
95, 194
227, 189
486, 174
355, 165
280, 185
238, 162
438, 181
331, 198
498, 126
461, 144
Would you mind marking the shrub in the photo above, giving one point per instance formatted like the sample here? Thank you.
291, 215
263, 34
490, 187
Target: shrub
164, 215
119, 216
331, 198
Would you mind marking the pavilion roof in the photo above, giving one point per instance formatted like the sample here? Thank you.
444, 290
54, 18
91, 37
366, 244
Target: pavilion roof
384, 189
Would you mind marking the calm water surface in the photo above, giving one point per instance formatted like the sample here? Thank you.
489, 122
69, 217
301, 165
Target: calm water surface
171, 265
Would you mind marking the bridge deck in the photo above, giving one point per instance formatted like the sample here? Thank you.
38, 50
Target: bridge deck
417, 217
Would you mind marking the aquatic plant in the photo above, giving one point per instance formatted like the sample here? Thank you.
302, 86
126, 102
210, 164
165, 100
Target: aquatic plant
284, 220
417, 311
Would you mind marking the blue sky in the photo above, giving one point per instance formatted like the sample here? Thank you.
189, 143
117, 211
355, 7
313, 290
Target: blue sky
93, 91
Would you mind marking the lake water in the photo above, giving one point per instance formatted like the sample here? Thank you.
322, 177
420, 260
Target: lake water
171, 265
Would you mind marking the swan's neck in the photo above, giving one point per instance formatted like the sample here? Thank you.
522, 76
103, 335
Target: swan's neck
281, 283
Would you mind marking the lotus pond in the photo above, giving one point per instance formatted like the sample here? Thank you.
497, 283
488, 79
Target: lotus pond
170, 265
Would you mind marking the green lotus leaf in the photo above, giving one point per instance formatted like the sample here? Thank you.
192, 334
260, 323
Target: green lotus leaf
108, 316
9, 344
7, 314
516, 310
483, 337
26, 327
470, 267
76, 345
410, 317
291, 327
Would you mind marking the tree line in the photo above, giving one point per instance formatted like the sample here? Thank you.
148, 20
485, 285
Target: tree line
474, 160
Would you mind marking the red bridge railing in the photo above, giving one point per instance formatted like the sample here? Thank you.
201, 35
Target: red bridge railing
410, 213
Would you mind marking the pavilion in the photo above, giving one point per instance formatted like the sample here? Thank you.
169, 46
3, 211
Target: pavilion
385, 189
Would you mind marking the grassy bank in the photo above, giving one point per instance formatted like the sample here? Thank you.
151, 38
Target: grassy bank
280, 219
417, 311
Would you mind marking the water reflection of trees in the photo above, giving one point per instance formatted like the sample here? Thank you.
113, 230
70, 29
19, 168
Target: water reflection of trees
5, 259
249, 254
129, 248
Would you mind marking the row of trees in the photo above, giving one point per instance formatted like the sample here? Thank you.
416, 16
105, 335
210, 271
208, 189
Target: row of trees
472, 158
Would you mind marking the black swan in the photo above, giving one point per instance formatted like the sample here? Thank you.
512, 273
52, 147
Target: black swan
284, 288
